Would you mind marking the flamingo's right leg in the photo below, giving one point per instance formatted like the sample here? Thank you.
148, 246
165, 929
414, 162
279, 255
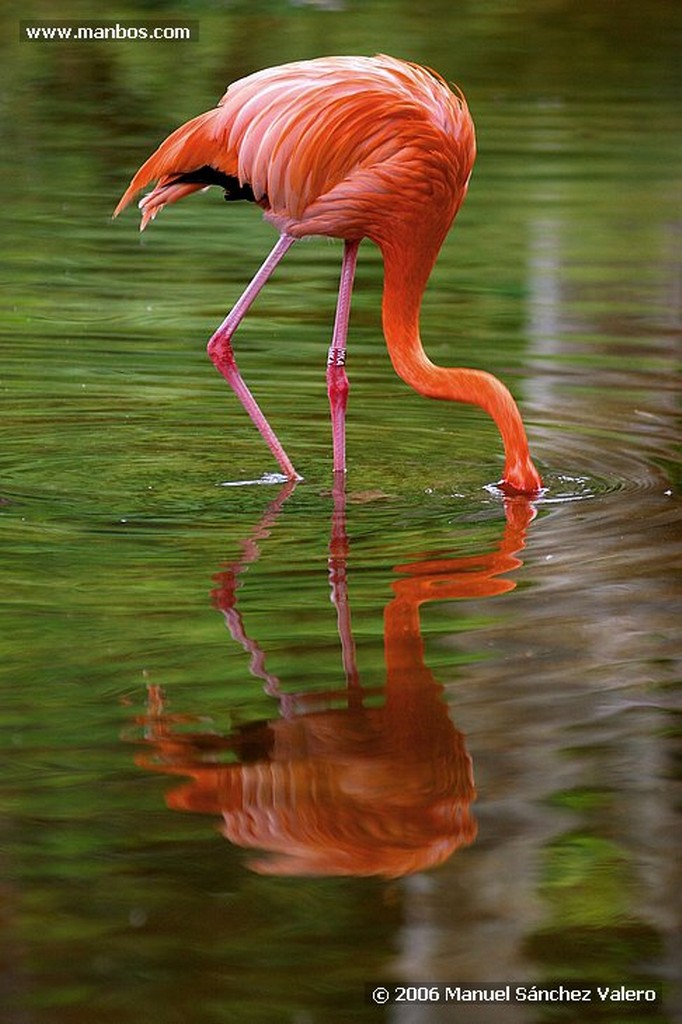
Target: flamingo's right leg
337, 381
222, 356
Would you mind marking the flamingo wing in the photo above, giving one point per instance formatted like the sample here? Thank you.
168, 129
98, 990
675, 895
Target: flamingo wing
326, 129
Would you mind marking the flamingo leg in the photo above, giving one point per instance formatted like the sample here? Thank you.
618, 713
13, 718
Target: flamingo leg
337, 381
222, 356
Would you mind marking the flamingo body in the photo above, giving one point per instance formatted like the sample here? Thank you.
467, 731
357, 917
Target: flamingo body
352, 148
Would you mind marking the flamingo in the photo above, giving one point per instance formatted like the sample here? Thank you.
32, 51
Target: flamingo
350, 148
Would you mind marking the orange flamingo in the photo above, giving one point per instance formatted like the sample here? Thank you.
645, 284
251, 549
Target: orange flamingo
352, 148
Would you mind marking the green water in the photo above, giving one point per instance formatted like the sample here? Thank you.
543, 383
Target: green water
555, 642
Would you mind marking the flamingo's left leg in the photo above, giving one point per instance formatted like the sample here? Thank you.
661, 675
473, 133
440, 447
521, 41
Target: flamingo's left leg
222, 356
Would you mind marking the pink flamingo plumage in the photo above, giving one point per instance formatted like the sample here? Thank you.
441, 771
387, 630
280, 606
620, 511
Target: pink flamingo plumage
351, 148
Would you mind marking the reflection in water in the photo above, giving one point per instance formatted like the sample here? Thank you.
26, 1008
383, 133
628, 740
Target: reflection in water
349, 781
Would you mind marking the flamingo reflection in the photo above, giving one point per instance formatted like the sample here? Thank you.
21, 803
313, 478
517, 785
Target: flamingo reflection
349, 781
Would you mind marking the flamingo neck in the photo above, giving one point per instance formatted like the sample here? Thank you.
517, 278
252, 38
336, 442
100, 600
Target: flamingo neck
406, 272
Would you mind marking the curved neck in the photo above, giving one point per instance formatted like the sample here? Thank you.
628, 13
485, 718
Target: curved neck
406, 271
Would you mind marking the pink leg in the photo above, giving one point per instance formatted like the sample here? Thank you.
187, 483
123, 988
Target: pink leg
337, 381
222, 356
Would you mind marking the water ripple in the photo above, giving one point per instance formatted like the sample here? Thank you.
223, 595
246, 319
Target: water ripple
582, 468
266, 478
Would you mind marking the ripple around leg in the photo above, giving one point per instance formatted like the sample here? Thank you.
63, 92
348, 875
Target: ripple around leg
267, 478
